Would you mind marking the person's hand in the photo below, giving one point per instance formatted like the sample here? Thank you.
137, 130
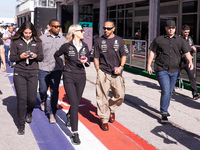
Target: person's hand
149, 70
118, 70
83, 60
24, 55
193, 48
191, 66
32, 55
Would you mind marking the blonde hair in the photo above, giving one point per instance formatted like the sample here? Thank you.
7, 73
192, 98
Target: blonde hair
71, 30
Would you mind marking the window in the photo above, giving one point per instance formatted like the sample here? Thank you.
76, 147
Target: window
189, 7
128, 28
129, 13
120, 14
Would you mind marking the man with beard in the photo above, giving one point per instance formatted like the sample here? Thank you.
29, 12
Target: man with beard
49, 70
110, 54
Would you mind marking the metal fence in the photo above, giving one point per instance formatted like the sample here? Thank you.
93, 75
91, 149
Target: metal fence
138, 57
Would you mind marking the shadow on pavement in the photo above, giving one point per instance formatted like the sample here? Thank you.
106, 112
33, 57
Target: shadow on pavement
147, 84
173, 135
11, 104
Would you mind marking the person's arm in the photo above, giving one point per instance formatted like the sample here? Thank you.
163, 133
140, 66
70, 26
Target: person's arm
3, 58
96, 64
189, 58
57, 55
150, 59
6, 37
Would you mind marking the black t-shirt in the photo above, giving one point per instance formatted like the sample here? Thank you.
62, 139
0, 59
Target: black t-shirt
168, 52
109, 52
1, 42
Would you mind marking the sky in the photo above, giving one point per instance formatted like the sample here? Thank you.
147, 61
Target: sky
7, 8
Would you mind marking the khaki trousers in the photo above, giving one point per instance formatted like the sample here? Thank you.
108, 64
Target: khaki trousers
106, 104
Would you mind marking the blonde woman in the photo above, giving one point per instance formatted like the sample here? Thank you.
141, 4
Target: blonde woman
76, 56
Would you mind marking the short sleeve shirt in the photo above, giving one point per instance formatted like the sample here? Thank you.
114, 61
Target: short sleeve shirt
109, 52
168, 52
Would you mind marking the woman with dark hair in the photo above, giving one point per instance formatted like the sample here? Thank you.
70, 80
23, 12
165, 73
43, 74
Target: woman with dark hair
26, 51
76, 56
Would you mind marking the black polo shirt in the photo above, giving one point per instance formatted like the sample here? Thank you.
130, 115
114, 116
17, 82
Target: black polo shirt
109, 51
168, 52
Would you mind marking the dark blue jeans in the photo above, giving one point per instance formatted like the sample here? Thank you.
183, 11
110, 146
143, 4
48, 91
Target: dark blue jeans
52, 80
6, 53
167, 82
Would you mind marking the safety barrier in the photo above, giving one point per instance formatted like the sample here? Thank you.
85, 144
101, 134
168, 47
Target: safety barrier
138, 57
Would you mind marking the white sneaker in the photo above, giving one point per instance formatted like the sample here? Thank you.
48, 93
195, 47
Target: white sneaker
52, 118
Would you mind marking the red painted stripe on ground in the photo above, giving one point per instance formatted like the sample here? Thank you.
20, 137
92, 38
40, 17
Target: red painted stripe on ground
117, 138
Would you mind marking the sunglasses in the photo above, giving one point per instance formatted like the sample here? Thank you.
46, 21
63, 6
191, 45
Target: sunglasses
81, 30
56, 26
107, 28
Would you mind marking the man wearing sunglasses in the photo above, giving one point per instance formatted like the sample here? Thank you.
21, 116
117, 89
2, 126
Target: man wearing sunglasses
110, 53
49, 71
184, 63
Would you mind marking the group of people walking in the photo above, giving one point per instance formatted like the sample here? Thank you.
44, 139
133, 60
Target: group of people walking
51, 56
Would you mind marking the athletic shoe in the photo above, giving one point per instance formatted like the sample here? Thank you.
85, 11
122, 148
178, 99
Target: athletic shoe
196, 96
20, 132
168, 115
52, 118
164, 118
75, 139
43, 106
29, 117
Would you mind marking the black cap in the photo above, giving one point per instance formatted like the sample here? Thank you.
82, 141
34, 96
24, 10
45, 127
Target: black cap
170, 23
185, 27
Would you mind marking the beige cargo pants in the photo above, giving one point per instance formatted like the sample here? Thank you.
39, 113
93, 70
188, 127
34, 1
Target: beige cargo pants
106, 104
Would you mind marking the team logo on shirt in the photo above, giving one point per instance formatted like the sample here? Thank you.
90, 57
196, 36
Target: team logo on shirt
33, 44
71, 51
104, 46
21, 44
103, 42
116, 45
83, 52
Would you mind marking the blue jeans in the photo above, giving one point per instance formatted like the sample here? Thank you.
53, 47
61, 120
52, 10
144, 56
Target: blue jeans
6, 52
6, 55
167, 82
52, 80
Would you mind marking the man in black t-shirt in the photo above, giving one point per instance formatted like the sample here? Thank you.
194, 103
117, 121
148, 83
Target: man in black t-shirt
2, 56
168, 49
110, 54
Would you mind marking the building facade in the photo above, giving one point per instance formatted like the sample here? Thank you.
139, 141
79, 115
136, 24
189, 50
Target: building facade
148, 16
39, 12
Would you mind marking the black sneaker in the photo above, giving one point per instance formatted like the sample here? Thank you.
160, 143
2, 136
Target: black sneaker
29, 117
196, 96
164, 118
75, 139
68, 123
20, 132
168, 115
